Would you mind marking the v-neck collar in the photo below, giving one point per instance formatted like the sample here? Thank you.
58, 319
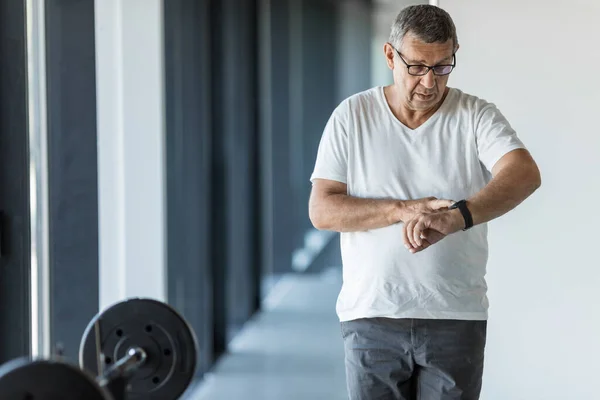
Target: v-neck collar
427, 122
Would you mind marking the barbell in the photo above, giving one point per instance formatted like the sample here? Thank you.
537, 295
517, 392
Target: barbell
136, 349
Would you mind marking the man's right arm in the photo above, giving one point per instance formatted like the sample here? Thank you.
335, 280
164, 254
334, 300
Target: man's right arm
331, 208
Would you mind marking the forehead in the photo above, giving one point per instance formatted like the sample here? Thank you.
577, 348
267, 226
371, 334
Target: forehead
418, 51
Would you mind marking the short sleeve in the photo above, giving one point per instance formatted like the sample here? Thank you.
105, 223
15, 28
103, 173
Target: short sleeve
332, 155
495, 136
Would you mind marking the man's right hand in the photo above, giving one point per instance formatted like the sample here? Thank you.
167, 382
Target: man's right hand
412, 208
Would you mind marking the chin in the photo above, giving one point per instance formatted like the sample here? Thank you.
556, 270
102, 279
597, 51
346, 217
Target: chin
420, 102
424, 105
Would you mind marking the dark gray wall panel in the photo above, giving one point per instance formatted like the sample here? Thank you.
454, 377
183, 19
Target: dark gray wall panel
279, 136
297, 125
72, 176
319, 85
219, 189
15, 256
188, 122
236, 193
243, 220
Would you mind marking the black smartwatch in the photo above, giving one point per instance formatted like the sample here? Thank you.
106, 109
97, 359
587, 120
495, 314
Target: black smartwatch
462, 206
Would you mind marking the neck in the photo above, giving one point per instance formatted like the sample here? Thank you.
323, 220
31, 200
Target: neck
407, 115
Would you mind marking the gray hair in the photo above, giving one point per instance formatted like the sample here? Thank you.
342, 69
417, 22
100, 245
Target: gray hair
428, 23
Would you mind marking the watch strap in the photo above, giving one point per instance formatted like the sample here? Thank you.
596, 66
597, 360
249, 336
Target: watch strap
464, 210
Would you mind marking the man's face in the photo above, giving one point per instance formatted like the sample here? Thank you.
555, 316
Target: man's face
420, 92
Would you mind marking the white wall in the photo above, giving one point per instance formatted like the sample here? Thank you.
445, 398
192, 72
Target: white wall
129, 76
537, 60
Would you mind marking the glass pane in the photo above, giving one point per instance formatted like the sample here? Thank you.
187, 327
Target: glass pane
443, 69
418, 70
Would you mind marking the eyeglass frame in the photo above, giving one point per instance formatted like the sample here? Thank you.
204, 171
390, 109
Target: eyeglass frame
429, 68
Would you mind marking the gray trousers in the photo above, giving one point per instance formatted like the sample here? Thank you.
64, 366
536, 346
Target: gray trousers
410, 359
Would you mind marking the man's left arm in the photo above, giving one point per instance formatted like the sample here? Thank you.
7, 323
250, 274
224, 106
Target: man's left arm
515, 177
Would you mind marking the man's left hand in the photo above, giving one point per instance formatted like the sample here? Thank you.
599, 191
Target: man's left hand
427, 229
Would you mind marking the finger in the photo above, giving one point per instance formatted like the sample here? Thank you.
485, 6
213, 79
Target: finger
405, 236
409, 232
417, 231
425, 245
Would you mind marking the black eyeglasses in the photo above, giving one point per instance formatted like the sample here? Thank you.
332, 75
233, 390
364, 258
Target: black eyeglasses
420, 69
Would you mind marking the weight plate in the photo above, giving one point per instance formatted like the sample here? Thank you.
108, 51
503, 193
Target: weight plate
155, 327
24, 379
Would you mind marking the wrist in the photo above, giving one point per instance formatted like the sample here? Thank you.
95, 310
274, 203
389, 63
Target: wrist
398, 212
463, 217
474, 212
458, 221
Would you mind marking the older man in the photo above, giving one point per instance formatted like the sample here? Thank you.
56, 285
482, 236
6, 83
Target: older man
410, 174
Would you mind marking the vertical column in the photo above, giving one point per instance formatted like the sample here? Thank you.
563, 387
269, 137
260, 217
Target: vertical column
188, 158
296, 122
265, 138
313, 91
319, 88
129, 68
15, 244
236, 217
276, 134
220, 257
72, 170
38, 179
355, 33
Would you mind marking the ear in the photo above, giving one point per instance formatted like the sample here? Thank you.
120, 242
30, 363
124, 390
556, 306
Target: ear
389, 53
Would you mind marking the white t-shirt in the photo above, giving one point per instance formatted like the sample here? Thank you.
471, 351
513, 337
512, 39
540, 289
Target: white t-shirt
450, 157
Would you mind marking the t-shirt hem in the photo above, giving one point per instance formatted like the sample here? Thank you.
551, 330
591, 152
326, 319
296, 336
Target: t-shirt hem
416, 314
492, 161
330, 177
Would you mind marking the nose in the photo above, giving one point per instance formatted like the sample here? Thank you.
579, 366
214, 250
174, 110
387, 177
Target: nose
428, 80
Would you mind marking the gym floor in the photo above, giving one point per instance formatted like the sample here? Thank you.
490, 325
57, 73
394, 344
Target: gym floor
292, 350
